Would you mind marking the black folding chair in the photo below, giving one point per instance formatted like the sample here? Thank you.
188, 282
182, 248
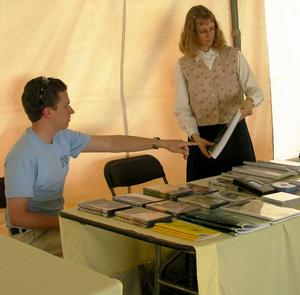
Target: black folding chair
132, 171
2, 194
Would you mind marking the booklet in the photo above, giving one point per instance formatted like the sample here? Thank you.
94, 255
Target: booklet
185, 230
223, 137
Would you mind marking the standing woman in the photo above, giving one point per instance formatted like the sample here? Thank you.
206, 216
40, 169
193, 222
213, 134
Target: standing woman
211, 82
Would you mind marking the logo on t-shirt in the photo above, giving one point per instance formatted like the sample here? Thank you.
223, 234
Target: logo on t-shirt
64, 159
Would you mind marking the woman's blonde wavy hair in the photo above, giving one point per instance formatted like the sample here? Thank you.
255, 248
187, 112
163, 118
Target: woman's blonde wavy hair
189, 42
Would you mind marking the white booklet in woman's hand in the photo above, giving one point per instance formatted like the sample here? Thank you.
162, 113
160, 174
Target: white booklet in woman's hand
222, 139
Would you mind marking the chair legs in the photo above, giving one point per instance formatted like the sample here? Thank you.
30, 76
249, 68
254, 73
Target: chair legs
174, 282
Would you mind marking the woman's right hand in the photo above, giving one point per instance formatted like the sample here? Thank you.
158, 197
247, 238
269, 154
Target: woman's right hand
203, 144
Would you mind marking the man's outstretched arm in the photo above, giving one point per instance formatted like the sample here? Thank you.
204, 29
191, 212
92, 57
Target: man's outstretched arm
123, 143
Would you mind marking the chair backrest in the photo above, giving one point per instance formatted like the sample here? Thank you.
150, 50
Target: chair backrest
132, 171
2, 193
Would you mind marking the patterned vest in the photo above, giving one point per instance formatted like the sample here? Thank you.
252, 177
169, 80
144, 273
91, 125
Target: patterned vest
214, 94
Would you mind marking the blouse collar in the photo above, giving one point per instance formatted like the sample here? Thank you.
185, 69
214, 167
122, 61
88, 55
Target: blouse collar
208, 55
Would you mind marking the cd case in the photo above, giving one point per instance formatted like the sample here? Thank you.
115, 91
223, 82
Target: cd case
142, 216
205, 201
137, 200
102, 207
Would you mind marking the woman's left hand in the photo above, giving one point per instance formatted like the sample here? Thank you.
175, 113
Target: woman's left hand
246, 108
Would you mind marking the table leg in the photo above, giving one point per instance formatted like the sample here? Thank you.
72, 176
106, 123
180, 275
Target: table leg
157, 262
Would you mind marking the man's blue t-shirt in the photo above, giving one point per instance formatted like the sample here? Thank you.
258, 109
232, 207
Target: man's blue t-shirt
36, 170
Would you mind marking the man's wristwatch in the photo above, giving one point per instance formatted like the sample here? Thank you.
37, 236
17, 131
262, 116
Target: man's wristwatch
155, 144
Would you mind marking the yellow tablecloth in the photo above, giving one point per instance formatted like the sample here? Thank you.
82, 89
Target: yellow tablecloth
266, 262
27, 270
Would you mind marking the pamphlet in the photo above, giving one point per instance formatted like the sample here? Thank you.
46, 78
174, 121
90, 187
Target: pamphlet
222, 139
185, 230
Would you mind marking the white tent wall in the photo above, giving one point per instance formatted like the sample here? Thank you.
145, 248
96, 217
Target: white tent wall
283, 22
80, 41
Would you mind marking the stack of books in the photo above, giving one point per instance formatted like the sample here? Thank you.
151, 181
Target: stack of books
171, 207
137, 200
282, 199
102, 207
142, 216
185, 230
168, 191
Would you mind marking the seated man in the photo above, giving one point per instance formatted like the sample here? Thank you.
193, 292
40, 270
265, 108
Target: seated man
37, 165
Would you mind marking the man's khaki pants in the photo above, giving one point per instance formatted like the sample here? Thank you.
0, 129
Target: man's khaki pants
47, 240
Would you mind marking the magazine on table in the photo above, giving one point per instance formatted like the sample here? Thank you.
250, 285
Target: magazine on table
223, 137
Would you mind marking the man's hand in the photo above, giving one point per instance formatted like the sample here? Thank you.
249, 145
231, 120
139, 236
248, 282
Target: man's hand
203, 144
176, 146
246, 108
